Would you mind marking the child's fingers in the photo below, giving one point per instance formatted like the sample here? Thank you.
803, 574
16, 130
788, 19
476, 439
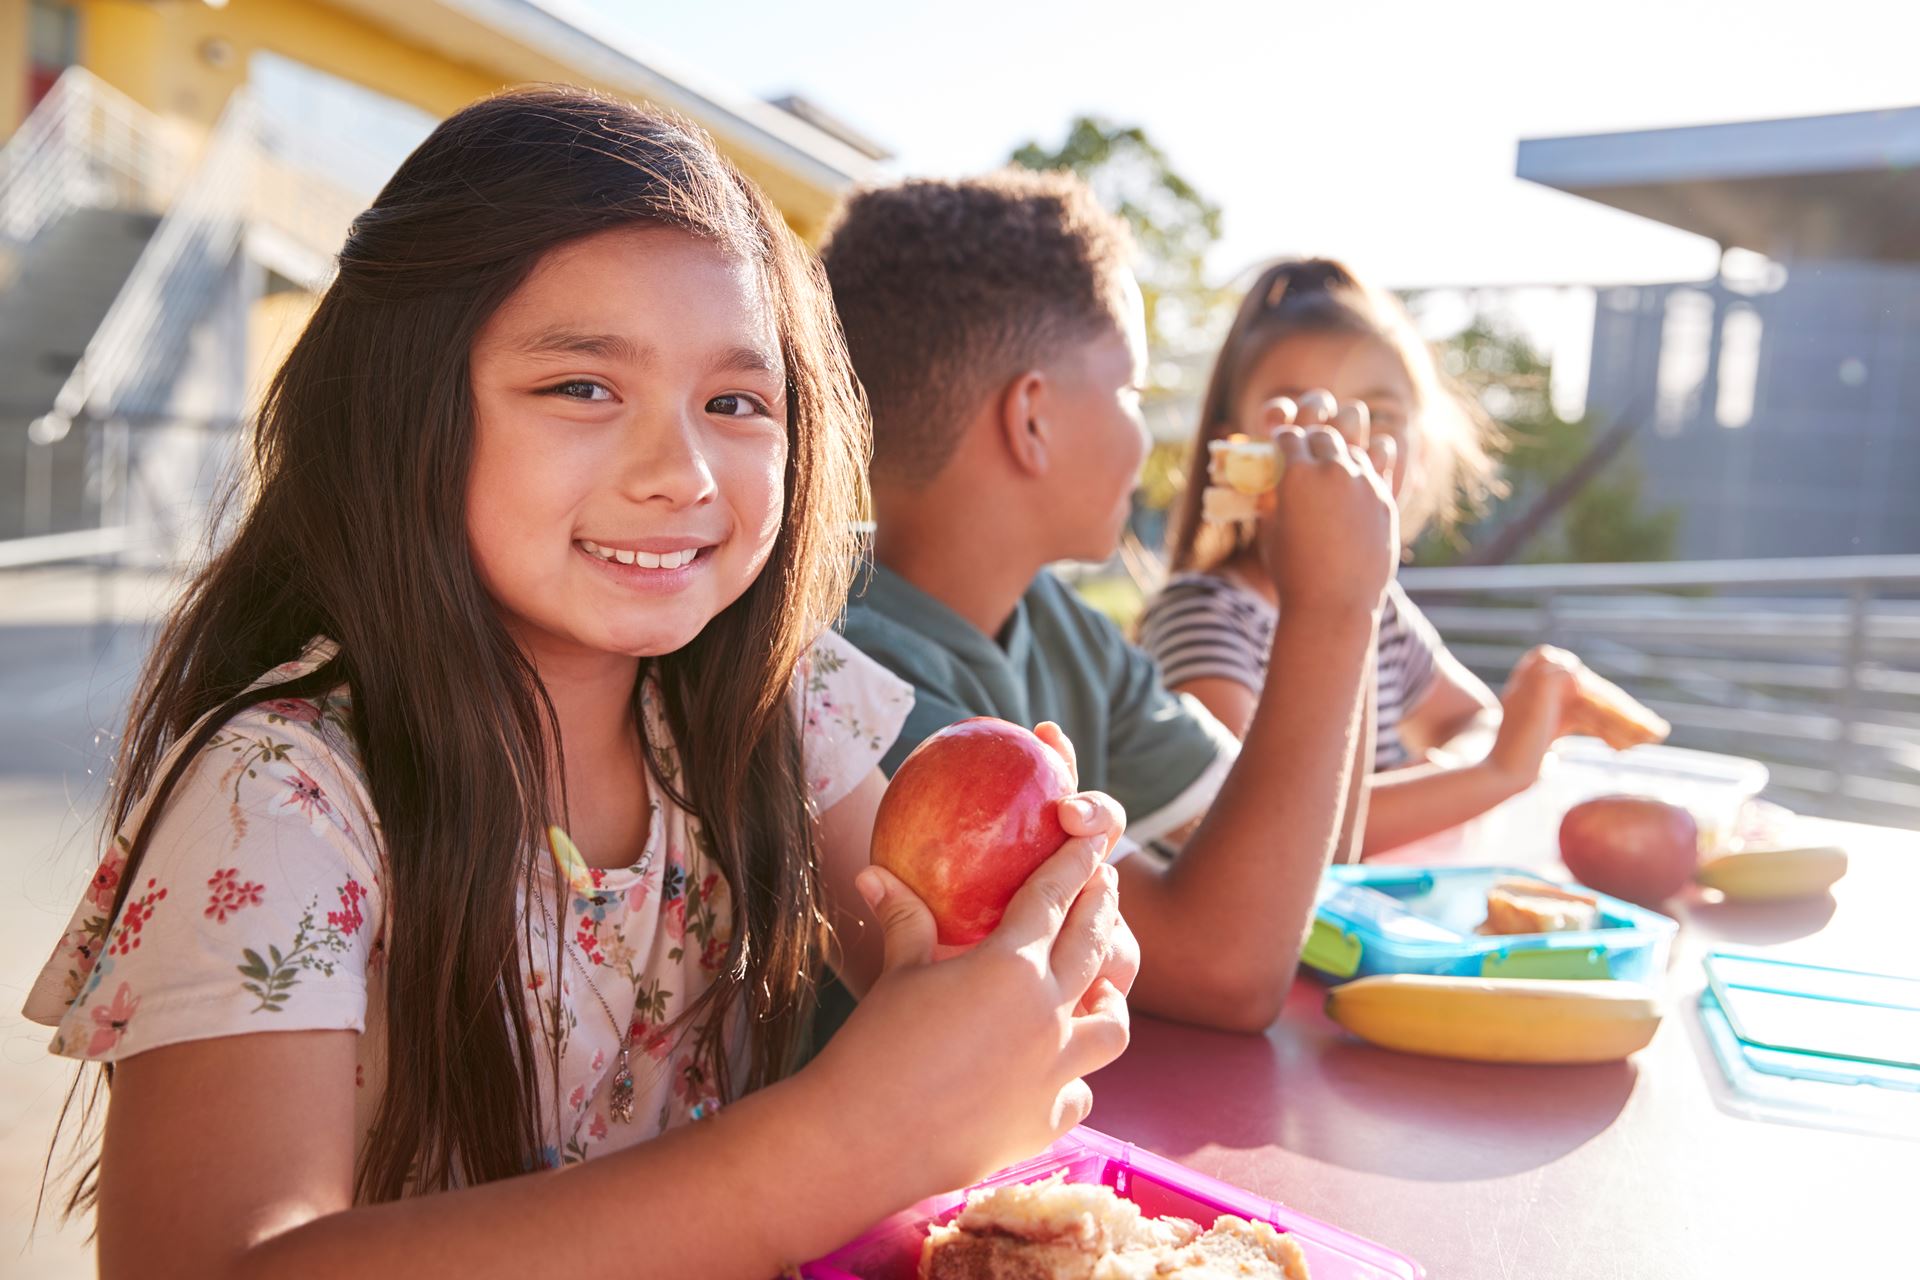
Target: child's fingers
1081, 951
1291, 444
1278, 412
1056, 737
1325, 445
1123, 959
1093, 813
1099, 1035
1384, 453
1071, 1107
1354, 423
1316, 408
906, 924
1038, 909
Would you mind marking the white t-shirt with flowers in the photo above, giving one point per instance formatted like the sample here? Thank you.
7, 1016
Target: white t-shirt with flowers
259, 907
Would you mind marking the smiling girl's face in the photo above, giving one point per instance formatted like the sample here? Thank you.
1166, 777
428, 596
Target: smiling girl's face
630, 443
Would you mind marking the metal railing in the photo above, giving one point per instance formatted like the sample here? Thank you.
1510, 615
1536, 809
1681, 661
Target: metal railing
253, 185
85, 145
172, 282
1811, 666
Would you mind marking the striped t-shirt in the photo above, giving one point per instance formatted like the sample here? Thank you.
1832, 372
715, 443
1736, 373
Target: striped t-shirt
1201, 625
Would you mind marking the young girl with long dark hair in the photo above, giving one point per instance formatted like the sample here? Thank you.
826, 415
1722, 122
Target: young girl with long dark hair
494, 795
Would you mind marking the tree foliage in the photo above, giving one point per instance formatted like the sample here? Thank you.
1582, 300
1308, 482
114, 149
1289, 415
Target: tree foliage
1605, 522
1173, 223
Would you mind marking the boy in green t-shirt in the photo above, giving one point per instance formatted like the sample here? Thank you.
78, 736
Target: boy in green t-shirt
1000, 336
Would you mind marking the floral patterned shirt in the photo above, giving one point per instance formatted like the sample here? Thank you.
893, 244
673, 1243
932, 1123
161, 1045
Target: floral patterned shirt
259, 907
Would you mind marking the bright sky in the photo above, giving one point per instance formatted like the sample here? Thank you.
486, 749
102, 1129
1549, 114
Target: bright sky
1379, 131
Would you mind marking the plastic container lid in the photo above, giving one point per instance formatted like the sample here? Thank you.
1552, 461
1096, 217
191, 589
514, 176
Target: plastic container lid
1665, 767
891, 1250
1836, 1048
1394, 919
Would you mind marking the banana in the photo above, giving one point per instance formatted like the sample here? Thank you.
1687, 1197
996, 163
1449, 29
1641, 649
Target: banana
1527, 1020
1767, 875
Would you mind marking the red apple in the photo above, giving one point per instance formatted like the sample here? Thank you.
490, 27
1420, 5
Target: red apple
1630, 846
966, 819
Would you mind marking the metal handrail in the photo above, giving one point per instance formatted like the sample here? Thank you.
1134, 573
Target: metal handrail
1811, 571
1813, 667
254, 183
245, 178
171, 282
84, 145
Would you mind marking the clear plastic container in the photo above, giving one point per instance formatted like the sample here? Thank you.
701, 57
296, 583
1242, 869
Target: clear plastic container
1711, 787
891, 1251
1808, 1023
1373, 919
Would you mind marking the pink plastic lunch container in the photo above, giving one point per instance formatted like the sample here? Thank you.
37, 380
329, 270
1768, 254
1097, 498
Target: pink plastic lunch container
891, 1251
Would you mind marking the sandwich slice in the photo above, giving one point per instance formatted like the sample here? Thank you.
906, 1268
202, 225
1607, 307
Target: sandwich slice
1057, 1230
1520, 904
1606, 711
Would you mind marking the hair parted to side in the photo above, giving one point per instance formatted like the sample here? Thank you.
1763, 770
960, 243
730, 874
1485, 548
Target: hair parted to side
356, 529
948, 289
1458, 467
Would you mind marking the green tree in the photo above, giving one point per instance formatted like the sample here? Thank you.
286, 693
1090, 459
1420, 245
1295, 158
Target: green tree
1173, 223
1604, 522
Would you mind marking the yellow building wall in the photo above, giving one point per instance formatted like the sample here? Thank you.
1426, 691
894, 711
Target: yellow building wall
274, 323
182, 60
13, 65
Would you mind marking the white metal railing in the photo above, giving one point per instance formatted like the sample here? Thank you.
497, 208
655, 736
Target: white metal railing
85, 145
250, 176
171, 283
261, 183
1810, 665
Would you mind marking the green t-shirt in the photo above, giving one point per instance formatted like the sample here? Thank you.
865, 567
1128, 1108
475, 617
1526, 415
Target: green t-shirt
1059, 659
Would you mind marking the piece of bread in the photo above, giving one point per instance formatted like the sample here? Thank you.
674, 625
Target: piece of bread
1220, 505
1243, 464
1056, 1230
1519, 904
1607, 712
1243, 474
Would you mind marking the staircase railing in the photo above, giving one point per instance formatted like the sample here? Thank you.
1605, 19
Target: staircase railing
172, 283
1811, 666
249, 177
257, 176
86, 145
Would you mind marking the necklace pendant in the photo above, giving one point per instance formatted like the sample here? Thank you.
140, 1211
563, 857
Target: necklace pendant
620, 1102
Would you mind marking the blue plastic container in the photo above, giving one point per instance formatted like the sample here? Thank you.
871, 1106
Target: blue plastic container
1373, 919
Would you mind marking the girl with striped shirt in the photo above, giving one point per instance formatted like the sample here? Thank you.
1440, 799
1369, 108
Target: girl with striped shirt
1310, 330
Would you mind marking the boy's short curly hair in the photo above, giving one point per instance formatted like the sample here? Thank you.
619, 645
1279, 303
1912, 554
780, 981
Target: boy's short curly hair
948, 289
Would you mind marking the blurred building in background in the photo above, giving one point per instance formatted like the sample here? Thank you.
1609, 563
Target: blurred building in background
176, 179
1782, 398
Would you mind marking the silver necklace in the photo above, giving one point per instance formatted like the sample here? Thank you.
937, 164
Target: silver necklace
620, 1100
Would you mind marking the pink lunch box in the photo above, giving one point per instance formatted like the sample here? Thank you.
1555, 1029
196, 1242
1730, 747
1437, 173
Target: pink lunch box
891, 1250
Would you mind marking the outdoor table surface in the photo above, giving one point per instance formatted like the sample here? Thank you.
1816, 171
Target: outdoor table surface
1483, 1172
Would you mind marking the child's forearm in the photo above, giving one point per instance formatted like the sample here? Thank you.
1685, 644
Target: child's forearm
1410, 804
1220, 931
766, 1182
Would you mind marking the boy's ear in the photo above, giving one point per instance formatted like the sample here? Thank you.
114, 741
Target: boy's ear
1023, 422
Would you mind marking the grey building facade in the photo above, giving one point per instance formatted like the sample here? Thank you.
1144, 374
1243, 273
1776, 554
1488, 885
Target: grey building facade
1780, 403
